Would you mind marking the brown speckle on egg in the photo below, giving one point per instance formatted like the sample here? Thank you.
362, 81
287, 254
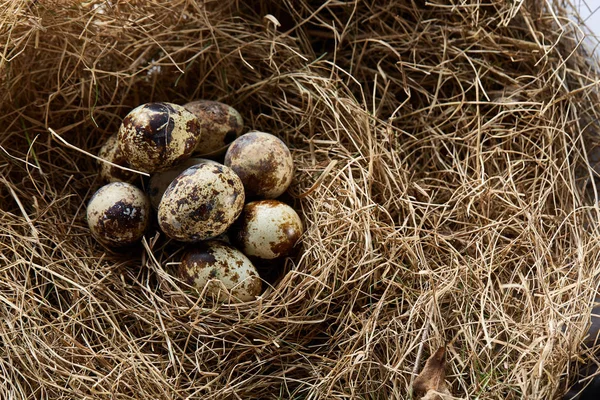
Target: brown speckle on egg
155, 136
263, 163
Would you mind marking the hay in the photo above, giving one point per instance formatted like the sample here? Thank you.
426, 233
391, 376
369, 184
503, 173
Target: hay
442, 173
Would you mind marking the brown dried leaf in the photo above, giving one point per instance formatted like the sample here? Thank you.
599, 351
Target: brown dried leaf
432, 379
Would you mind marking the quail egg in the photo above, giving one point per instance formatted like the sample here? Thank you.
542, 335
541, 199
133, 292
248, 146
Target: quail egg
218, 269
221, 124
263, 162
267, 229
118, 214
161, 180
110, 152
155, 136
201, 203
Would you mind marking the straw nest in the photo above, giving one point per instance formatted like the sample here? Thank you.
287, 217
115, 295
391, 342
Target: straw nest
442, 174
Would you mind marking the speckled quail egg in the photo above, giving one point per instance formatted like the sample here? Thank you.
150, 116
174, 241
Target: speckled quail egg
110, 152
263, 162
218, 269
155, 136
267, 229
221, 124
201, 203
159, 181
118, 214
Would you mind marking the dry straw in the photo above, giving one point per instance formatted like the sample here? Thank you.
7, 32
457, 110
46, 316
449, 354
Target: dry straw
441, 153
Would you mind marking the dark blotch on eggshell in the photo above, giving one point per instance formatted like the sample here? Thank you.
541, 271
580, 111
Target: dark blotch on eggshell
292, 236
202, 212
202, 256
193, 125
185, 276
255, 285
220, 216
160, 125
122, 218
260, 176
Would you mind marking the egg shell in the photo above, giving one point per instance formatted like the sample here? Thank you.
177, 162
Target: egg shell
220, 270
263, 162
221, 124
161, 180
110, 152
202, 202
268, 229
118, 214
156, 136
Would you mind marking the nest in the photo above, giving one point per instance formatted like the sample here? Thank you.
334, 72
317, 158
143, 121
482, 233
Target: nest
442, 173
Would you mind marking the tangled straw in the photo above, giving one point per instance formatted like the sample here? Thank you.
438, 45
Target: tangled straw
442, 172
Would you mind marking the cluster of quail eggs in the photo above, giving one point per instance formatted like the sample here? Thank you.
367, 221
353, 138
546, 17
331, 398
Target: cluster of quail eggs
224, 213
